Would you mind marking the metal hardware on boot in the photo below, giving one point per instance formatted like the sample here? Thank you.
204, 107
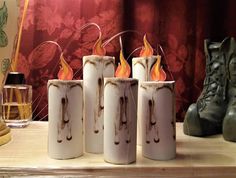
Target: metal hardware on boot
205, 117
229, 124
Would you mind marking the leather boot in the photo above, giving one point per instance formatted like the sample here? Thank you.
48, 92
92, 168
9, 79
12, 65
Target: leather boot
229, 124
205, 117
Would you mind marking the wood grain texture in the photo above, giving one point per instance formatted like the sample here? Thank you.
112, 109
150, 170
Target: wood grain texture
26, 154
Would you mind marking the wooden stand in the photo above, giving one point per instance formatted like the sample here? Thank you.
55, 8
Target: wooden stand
26, 154
5, 134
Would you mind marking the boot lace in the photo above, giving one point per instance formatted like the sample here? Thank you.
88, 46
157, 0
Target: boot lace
211, 82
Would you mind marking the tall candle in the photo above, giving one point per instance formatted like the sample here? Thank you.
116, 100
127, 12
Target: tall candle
141, 70
120, 120
157, 113
142, 67
65, 113
95, 68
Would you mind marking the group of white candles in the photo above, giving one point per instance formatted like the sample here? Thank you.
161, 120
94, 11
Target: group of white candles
111, 108
110, 113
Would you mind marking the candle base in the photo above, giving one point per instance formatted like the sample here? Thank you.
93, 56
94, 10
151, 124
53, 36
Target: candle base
122, 162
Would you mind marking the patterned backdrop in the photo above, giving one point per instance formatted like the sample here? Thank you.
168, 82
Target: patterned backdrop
179, 26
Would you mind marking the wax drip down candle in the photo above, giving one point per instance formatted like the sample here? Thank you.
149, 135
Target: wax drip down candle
95, 68
65, 113
120, 116
142, 66
157, 113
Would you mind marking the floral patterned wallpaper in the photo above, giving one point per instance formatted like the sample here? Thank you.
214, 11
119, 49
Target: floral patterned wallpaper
178, 26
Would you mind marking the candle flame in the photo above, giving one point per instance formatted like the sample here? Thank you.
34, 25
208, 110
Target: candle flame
147, 50
98, 49
123, 70
65, 72
157, 73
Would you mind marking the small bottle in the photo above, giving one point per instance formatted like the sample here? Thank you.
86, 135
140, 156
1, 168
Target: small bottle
16, 101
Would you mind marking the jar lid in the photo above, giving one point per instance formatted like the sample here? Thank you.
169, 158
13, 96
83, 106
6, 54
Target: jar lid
15, 78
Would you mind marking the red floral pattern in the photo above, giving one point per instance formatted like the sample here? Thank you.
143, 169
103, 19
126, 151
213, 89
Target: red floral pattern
179, 26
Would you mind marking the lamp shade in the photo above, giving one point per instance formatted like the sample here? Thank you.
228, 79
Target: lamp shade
9, 14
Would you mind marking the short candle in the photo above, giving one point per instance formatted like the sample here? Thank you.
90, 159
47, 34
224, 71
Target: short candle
157, 113
120, 120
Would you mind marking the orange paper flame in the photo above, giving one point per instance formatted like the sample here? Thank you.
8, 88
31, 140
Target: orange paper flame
147, 50
98, 49
123, 70
157, 73
65, 72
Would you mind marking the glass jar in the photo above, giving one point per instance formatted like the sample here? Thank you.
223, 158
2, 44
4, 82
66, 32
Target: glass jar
16, 101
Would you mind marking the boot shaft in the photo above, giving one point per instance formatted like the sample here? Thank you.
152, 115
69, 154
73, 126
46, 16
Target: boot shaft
211, 103
230, 55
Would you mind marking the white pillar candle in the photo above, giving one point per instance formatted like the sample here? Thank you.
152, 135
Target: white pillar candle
65, 115
142, 67
95, 68
141, 70
120, 120
157, 112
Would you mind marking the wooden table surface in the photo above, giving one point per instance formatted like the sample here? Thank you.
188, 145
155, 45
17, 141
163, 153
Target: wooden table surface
26, 154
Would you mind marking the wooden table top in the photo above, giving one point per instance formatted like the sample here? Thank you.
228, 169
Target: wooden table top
26, 154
